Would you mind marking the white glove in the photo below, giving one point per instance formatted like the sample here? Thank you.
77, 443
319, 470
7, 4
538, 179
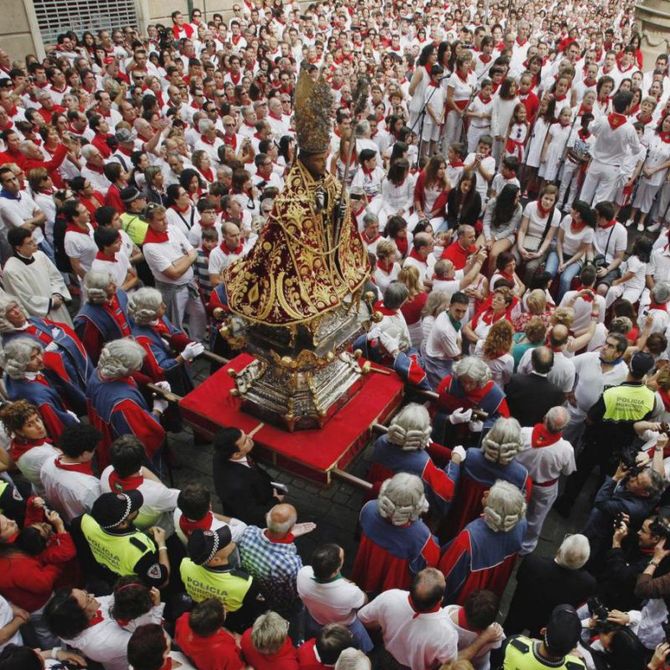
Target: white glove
476, 426
165, 386
160, 405
192, 350
55, 332
459, 451
460, 416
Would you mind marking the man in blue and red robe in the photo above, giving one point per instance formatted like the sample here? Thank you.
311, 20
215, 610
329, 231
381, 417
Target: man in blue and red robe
116, 407
389, 556
480, 558
97, 324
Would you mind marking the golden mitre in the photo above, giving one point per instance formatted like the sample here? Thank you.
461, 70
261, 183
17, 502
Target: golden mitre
313, 107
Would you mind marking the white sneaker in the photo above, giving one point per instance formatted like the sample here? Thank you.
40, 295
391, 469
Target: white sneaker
654, 227
629, 223
640, 227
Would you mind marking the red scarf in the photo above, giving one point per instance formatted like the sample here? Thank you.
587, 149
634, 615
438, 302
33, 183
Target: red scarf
616, 120
414, 254
542, 212
576, 227
385, 269
542, 437
227, 251
155, 237
20, 446
96, 619
120, 484
665, 137
663, 307
484, 100
584, 134
460, 76
401, 243
102, 256
230, 140
436, 608
188, 525
84, 468
71, 228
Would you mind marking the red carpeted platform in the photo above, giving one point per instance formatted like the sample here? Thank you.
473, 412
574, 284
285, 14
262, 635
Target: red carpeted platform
308, 453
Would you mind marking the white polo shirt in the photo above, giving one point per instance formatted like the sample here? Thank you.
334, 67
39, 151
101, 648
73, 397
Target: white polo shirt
118, 268
160, 256
562, 373
444, 341
545, 464
417, 640
69, 493
329, 602
14, 212
80, 245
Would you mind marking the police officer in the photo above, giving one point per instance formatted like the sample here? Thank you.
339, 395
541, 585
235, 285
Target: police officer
610, 427
206, 573
560, 637
118, 548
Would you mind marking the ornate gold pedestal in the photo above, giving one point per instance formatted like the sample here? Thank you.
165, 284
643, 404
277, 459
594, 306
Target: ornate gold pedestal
302, 377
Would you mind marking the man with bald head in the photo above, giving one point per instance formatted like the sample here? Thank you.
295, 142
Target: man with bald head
562, 372
230, 249
547, 455
271, 557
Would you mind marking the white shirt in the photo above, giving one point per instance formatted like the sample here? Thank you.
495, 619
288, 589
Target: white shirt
219, 259
382, 279
659, 265
573, 241
6, 617
545, 464
591, 380
330, 602
562, 373
70, 493
30, 463
425, 268
501, 368
582, 309
118, 268
444, 341
419, 641
158, 498
160, 256
81, 246
13, 213
610, 241
611, 146
467, 637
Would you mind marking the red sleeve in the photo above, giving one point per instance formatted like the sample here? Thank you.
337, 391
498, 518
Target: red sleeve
150, 365
431, 552
129, 418
52, 422
503, 409
60, 549
34, 514
92, 341
439, 481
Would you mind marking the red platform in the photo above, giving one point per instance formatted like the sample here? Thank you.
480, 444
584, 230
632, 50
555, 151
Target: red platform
308, 453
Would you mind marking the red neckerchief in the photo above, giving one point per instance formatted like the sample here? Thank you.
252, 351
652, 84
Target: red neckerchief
436, 608
383, 268
639, 117
95, 168
521, 42
126, 152
616, 120
155, 237
608, 225
71, 228
587, 298
277, 117
542, 212
663, 307
584, 134
228, 251
413, 254
560, 98
20, 446
368, 240
84, 468
483, 99
230, 140
208, 174
102, 256
589, 82
456, 163
206, 141
485, 59
385, 311
188, 525
401, 243
665, 137
282, 540
542, 437
120, 484
576, 227
458, 74
96, 619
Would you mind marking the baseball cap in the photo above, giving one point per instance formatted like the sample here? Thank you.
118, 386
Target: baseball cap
129, 194
563, 630
203, 544
640, 363
111, 509
126, 135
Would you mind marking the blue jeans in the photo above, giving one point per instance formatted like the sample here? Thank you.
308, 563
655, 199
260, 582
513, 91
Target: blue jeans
565, 280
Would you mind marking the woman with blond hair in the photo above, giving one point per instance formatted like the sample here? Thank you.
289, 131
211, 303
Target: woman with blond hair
387, 267
535, 304
411, 310
495, 351
437, 302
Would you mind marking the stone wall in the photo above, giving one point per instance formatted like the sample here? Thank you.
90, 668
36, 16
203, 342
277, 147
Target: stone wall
16, 36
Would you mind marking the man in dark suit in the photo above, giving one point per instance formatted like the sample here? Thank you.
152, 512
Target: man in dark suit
244, 488
531, 396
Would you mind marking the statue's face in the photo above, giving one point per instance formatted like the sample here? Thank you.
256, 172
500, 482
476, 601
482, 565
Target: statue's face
315, 164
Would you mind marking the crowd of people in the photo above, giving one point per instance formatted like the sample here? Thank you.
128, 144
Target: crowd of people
496, 157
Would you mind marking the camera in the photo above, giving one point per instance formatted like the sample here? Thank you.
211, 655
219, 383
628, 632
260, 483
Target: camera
597, 609
629, 462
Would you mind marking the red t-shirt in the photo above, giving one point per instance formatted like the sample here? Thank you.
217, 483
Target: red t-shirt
285, 659
216, 652
308, 659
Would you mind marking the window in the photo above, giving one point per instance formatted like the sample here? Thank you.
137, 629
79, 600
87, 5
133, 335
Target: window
59, 16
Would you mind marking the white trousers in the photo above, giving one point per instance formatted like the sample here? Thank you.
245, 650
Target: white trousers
541, 500
600, 183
